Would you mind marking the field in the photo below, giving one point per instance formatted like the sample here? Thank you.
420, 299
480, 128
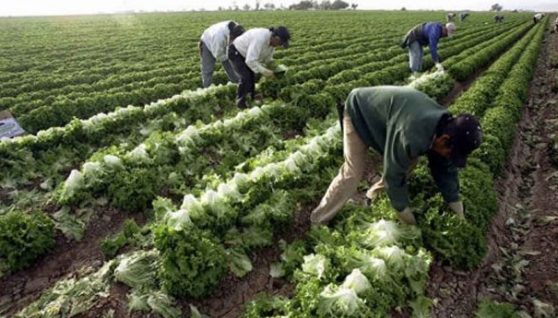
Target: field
137, 193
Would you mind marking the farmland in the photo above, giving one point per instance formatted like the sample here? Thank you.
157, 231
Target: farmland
136, 192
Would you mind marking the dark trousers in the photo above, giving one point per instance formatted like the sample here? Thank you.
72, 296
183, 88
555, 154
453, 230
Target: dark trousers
247, 78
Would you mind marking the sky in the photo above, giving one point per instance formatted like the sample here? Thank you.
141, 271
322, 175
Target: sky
64, 7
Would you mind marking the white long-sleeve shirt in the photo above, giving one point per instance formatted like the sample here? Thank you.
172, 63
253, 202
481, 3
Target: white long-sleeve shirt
216, 38
255, 46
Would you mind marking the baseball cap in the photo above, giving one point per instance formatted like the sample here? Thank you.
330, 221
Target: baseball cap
451, 28
284, 34
466, 136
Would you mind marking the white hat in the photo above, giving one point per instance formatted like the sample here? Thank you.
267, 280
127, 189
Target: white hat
451, 28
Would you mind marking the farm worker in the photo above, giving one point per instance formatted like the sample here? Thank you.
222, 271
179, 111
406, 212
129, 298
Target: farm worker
428, 33
450, 17
213, 46
537, 17
498, 18
401, 124
556, 25
463, 16
250, 53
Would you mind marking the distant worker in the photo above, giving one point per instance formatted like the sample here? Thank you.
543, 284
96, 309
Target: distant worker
250, 53
556, 25
428, 33
537, 17
463, 16
213, 45
450, 17
498, 18
401, 124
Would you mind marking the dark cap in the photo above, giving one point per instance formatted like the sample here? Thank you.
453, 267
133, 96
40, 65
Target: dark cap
466, 136
283, 33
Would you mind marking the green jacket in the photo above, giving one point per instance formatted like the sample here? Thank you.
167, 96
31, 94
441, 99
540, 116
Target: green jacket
400, 124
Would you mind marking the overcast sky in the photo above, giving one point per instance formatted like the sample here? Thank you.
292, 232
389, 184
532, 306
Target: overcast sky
56, 7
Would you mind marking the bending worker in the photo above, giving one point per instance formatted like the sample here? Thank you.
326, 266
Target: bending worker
424, 34
401, 124
250, 53
213, 46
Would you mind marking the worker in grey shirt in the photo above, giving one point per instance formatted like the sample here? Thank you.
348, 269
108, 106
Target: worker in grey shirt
538, 17
213, 46
401, 124
250, 53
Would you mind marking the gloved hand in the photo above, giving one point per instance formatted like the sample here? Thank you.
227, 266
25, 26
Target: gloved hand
439, 67
268, 73
457, 207
406, 216
375, 190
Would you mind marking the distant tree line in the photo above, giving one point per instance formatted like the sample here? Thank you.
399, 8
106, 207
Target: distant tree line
258, 6
323, 5
302, 5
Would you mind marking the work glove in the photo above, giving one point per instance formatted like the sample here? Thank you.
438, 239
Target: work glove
457, 207
375, 190
268, 73
406, 216
439, 67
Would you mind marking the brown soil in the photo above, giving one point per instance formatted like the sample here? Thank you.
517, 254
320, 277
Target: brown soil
519, 231
461, 87
23, 287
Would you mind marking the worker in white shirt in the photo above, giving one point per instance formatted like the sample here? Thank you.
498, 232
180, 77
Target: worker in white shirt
556, 25
250, 53
214, 43
537, 17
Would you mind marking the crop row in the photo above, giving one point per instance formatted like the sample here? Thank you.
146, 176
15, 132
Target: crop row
334, 254
88, 58
317, 290
63, 110
165, 236
126, 84
74, 132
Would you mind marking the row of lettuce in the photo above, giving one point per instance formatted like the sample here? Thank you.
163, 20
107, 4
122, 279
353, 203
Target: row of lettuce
56, 99
364, 266
460, 243
301, 87
133, 185
47, 158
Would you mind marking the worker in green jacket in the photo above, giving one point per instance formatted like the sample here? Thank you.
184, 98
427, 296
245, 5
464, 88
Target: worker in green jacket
401, 124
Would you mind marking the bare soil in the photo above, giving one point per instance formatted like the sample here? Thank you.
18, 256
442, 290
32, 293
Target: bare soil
23, 287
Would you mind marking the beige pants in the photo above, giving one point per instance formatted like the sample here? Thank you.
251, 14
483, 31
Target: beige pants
344, 185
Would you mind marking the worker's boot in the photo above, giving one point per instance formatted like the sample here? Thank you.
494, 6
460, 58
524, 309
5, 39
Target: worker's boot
406, 216
414, 76
241, 103
375, 191
457, 207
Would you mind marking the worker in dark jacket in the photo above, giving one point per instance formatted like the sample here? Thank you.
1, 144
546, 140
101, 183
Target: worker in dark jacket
498, 18
401, 124
426, 34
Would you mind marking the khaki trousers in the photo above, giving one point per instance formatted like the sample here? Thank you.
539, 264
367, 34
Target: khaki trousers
344, 185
